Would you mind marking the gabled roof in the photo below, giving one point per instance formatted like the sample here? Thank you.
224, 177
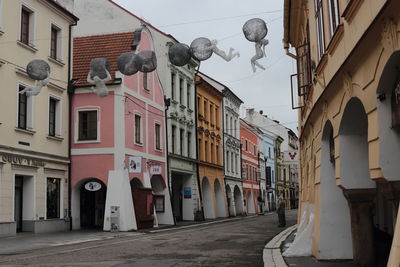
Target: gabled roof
108, 46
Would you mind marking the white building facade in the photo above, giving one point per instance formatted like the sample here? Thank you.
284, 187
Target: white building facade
232, 170
34, 130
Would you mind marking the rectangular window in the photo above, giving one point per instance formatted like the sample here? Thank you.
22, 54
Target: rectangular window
55, 44
269, 152
320, 28
217, 117
247, 146
226, 123
211, 114
159, 203
236, 164
88, 125
181, 139
146, 81
157, 129
53, 198
173, 136
205, 151
173, 85
217, 152
188, 95
212, 153
254, 150
198, 105
232, 163
205, 110
138, 129
22, 109
268, 176
227, 161
334, 15
25, 25
53, 103
200, 149
181, 91
189, 144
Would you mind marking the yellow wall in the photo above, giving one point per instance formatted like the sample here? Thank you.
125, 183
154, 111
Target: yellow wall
351, 68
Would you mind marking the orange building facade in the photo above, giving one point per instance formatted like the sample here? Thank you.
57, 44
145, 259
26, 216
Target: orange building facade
210, 147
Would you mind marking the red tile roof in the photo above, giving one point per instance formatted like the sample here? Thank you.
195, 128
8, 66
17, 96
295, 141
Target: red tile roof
108, 46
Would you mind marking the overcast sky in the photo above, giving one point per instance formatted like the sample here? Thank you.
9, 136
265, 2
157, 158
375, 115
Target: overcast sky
222, 20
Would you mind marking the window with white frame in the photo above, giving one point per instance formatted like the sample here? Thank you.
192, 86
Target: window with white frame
334, 16
138, 129
1, 17
157, 130
55, 43
25, 107
320, 28
146, 81
54, 117
173, 75
189, 144
88, 124
27, 26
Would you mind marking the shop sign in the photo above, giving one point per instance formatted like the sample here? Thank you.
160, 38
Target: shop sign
92, 186
20, 160
155, 169
187, 192
135, 164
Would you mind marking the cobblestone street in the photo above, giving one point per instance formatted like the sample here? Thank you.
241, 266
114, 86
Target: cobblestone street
237, 242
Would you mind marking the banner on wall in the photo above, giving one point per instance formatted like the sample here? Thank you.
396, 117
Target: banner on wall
135, 164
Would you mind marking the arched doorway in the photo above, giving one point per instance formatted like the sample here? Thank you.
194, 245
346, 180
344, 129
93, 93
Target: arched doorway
250, 203
143, 204
230, 200
207, 199
358, 188
238, 200
335, 227
388, 189
219, 199
92, 199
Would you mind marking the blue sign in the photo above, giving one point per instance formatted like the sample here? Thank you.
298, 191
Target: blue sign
187, 192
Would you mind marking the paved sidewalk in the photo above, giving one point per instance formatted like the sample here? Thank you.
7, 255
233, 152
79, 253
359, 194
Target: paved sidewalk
272, 254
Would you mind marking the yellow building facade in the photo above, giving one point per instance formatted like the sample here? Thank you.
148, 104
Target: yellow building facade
210, 148
347, 95
34, 130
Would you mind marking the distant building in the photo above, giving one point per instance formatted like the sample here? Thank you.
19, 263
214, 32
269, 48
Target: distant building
250, 166
34, 130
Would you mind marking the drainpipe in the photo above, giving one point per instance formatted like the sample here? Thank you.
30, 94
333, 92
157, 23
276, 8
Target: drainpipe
197, 149
167, 103
70, 94
223, 151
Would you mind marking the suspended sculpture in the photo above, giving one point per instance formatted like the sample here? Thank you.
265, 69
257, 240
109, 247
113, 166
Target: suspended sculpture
255, 31
38, 70
179, 54
127, 63
147, 61
202, 49
98, 75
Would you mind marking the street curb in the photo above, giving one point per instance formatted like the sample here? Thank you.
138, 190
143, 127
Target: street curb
272, 255
202, 224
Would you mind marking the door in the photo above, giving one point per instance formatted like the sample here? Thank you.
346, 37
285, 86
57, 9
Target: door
144, 207
18, 202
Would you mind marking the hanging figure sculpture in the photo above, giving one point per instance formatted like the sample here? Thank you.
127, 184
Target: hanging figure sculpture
255, 31
260, 53
227, 57
38, 70
98, 75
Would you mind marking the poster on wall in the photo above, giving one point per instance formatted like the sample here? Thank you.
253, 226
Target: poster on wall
155, 169
187, 192
135, 164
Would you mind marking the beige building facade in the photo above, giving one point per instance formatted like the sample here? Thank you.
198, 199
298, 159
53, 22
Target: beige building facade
34, 130
347, 93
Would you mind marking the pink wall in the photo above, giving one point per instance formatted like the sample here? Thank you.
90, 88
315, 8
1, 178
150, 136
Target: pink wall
105, 115
91, 166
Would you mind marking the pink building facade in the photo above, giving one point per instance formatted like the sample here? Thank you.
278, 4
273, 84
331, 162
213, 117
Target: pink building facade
118, 142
